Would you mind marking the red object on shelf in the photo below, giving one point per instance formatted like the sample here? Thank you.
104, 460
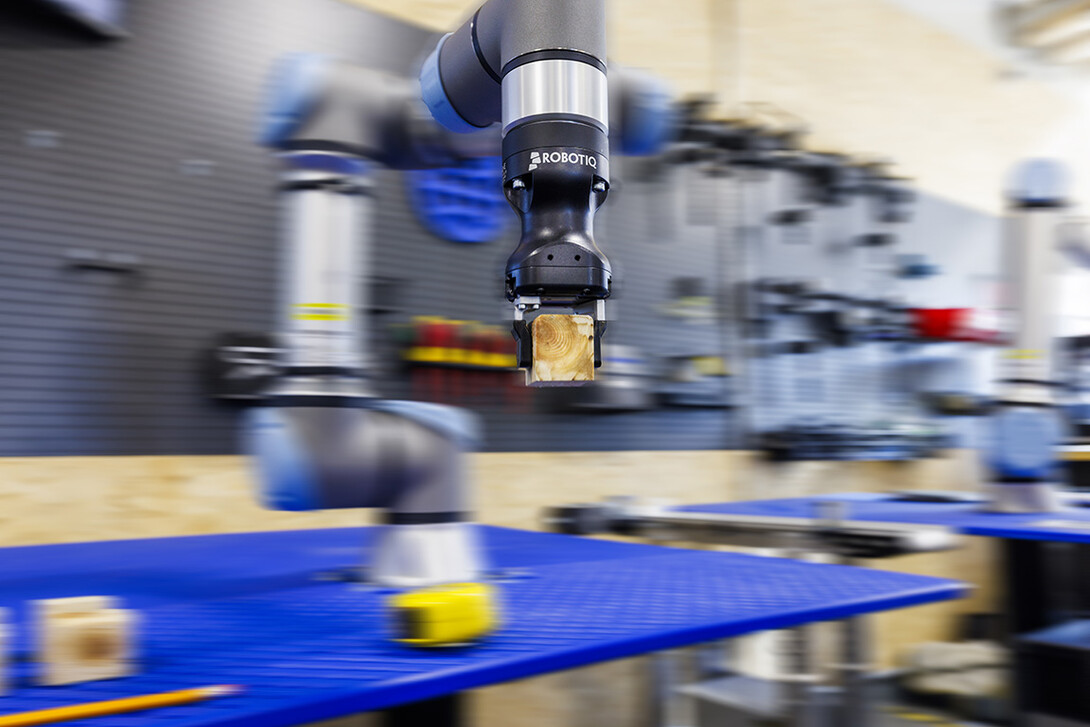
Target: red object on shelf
950, 324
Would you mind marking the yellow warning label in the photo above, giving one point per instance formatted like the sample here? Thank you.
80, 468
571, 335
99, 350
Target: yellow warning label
1024, 353
427, 354
321, 312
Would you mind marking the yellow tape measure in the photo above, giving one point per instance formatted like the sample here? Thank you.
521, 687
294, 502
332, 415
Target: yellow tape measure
447, 615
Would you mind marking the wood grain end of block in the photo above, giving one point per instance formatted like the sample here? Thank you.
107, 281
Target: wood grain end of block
563, 350
77, 646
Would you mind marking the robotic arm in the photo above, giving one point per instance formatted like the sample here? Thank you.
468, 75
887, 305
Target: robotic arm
324, 440
539, 68
1026, 427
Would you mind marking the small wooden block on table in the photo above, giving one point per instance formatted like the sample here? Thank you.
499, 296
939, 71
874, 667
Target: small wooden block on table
84, 639
563, 349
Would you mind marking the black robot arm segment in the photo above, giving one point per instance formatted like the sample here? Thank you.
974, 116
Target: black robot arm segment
539, 68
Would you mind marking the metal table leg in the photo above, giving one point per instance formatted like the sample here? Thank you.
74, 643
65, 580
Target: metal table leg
857, 707
445, 711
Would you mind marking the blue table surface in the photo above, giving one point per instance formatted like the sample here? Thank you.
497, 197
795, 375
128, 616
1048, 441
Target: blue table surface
249, 609
1071, 525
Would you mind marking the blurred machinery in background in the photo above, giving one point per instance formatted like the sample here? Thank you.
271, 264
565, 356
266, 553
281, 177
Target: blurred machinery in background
830, 321
1052, 32
819, 323
1074, 364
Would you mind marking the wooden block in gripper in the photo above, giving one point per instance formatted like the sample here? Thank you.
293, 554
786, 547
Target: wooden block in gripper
563, 350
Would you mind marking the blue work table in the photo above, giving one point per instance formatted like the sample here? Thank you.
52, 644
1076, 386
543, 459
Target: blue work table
254, 609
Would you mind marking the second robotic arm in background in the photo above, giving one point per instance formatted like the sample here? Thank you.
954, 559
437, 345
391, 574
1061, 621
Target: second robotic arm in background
1026, 428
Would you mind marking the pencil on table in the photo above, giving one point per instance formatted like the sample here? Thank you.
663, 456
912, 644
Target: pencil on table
117, 706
